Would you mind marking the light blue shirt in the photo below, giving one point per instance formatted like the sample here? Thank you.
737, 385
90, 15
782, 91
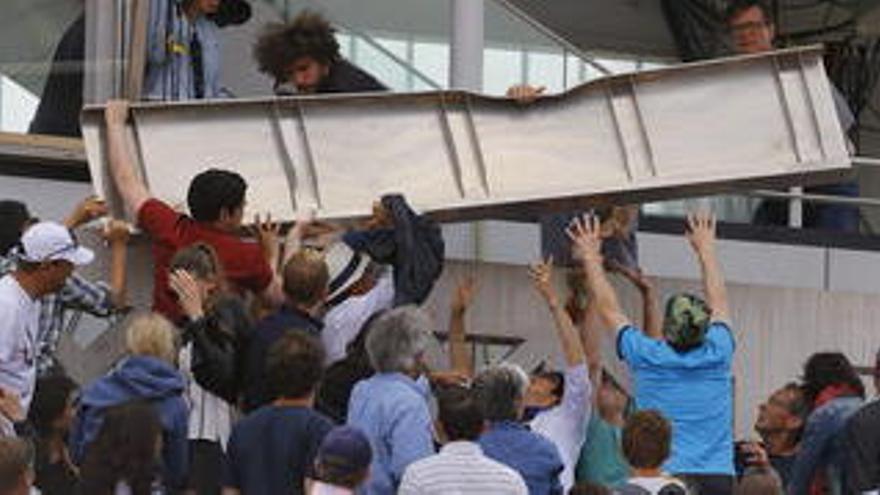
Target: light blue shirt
169, 66
392, 410
693, 390
530, 454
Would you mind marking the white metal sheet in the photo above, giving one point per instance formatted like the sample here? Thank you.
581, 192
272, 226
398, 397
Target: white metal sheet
696, 128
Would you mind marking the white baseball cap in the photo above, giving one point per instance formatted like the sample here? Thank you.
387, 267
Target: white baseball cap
49, 241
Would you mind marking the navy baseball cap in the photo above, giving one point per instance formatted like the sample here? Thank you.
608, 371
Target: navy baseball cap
345, 451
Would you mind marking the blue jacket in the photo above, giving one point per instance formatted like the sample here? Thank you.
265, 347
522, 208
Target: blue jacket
138, 378
823, 446
530, 454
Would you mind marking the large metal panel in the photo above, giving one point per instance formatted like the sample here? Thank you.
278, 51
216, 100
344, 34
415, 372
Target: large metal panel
696, 128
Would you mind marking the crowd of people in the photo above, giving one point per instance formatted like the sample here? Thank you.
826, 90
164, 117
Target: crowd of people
298, 361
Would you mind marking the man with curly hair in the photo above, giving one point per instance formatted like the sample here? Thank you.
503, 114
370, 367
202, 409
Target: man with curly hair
303, 57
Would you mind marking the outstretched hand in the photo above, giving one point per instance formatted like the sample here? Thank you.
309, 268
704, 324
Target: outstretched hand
542, 278
116, 112
10, 406
267, 235
87, 210
116, 232
586, 237
463, 296
524, 93
701, 231
189, 295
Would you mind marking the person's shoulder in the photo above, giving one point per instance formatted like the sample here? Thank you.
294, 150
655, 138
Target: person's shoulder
349, 77
318, 421
542, 443
510, 474
9, 291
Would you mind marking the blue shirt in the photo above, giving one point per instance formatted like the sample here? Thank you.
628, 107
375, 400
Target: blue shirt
392, 410
693, 389
272, 450
532, 455
170, 61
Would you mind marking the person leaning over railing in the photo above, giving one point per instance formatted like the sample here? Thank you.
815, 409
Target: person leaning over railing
303, 57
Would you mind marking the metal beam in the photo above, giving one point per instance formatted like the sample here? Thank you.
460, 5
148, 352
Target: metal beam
700, 128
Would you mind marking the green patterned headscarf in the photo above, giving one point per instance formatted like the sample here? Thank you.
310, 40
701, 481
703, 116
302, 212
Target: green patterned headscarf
686, 320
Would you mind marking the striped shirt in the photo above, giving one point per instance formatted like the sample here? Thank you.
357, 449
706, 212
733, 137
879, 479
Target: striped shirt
77, 294
210, 417
461, 468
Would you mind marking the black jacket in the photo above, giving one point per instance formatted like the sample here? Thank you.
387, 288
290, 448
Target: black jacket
345, 77
414, 247
219, 341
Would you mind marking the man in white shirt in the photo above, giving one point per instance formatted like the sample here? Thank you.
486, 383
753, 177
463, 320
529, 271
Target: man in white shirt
46, 258
460, 467
356, 293
558, 404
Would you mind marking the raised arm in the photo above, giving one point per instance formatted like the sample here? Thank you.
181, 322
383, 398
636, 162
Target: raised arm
587, 322
459, 355
131, 188
701, 234
569, 340
116, 233
652, 322
587, 244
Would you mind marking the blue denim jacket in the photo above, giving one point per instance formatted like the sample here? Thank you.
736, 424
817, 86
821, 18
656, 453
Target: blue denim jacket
822, 447
531, 455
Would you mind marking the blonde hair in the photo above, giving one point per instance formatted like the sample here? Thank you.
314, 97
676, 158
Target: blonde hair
151, 334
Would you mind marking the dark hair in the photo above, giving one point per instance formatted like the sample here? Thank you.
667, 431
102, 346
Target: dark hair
308, 35
646, 439
459, 413
823, 369
799, 406
16, 457
51, 396
737, 6
556, 378
213, 191
305, 277
124, 450
295, 365
14, 216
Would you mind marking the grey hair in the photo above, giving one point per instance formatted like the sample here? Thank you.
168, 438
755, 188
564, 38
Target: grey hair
397, 338
500, 391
